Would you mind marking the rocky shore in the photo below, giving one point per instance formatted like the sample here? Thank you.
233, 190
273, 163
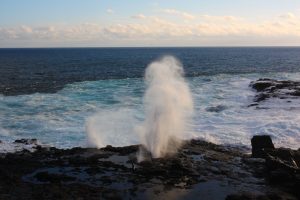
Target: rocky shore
200, 170
269, 88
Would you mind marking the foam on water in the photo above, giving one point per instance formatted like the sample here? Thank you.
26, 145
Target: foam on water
237, 123
59, 119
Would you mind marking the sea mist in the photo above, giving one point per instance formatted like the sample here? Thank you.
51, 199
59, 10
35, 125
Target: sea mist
168, 105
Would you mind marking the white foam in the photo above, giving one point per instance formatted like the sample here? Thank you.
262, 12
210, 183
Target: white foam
112, 127
9, 147
59, 119
238, 123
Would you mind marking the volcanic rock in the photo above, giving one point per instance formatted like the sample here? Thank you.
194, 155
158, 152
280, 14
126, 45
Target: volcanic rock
259, 144
270, 88
198, 168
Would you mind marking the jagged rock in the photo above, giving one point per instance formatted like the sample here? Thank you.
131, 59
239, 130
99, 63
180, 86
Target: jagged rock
270, 88
282, 158
262, 84
114, 172
26, 141
259, 143
283, 168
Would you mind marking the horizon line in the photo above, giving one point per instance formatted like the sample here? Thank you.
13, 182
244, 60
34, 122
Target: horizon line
99, 47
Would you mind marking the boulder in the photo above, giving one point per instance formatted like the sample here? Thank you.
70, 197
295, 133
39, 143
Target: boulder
259, 144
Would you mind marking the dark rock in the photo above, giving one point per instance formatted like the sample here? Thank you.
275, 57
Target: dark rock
248, 196
252, 196
38, 147
115, 173
296, 189
279, 176
282, 158
296, 93
26, 141
283, 168
113, 195
253, 104
262, 84
261, 97
259, 143
53, 178
217, 108
270, 88
297, 157
122, 150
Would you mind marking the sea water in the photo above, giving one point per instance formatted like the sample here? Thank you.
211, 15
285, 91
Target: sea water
73, 86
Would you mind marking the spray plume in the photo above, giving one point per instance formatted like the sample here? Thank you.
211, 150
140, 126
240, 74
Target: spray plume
168, 105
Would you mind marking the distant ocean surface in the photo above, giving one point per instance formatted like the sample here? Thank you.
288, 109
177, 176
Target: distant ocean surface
49, 94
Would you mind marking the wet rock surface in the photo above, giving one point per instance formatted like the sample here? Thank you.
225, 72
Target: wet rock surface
199, 169
270, 88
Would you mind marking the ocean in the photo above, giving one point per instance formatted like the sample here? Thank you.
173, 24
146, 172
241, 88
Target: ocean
51, 94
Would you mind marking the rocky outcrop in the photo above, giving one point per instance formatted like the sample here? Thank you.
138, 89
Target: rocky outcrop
282, 164
270, 88
26, 141
259, 144
198, 169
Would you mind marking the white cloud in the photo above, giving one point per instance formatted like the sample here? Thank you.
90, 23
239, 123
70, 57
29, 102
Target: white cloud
160, 31
139, 16
110, 11
26, 29
288, 16
220, 18
185, 15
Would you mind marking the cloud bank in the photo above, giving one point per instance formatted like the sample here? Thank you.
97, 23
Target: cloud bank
142, 30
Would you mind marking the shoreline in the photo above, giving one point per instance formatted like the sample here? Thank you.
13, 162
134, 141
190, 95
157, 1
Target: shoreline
198, 168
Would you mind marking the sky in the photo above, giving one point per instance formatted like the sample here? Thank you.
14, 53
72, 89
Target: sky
139, 23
